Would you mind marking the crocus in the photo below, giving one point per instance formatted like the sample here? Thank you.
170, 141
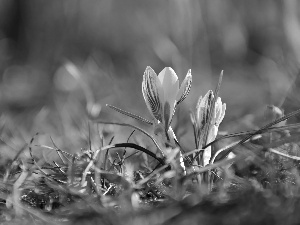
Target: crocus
200, 120
162, 94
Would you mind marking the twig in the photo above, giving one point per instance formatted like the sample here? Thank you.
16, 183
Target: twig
192, 152
130, 114
271, 129
124, 153
135, 127
89, 166
59, 168
146, 179
131, 155
17, 193
97, 176
137, 147
283, 154
106, 154
13, 162
261, 130
59, 152
213, 166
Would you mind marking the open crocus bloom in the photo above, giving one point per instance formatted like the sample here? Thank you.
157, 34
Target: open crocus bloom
162, 93
201, 119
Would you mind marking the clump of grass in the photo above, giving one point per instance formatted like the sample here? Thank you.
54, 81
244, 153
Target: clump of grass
257, 184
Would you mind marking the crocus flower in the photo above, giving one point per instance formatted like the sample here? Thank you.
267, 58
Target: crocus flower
162, 94
200, 120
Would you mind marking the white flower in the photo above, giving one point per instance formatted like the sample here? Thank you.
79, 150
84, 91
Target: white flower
200, 120
162, 93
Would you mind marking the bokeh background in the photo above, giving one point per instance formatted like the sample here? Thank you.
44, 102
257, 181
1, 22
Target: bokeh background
60, 60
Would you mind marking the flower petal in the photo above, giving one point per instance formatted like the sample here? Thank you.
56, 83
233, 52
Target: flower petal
170, 88
170, 84
151, 88
212, 134
202, 109
206, 156
197, 112
220, 112
167, 77
184, 88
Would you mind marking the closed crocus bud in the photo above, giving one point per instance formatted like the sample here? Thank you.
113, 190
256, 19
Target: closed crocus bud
202, 110
218, 117
201, 118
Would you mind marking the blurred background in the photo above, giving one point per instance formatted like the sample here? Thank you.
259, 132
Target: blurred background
61, 60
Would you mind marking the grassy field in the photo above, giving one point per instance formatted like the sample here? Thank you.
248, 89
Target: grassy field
149, 112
